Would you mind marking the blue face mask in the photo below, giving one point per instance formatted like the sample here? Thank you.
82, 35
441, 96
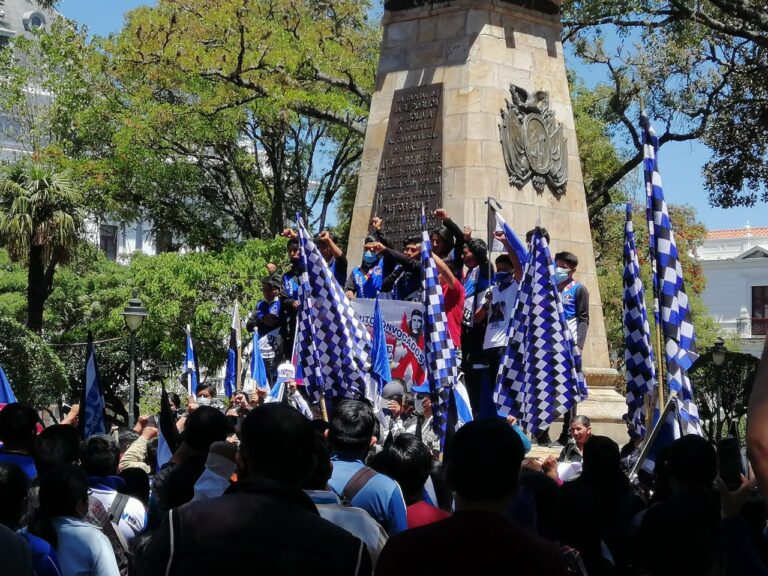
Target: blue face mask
561, 275
370, 258
503, 277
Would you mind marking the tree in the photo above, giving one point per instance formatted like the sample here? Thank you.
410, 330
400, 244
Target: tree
700, 69
41, 222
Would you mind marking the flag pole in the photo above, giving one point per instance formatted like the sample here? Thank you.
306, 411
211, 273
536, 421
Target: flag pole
323, 409
189, 376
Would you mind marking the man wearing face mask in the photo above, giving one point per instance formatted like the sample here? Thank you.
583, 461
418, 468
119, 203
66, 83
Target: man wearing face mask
365, 280
575, 297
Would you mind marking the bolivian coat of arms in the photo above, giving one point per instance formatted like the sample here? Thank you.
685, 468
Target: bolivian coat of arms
533, 142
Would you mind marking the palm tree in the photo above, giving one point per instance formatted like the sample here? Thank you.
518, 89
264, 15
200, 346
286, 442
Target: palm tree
41, 223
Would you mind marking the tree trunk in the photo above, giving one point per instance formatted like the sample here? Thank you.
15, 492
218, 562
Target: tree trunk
37, 291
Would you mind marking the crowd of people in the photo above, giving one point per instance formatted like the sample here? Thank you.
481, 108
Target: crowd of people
261, 483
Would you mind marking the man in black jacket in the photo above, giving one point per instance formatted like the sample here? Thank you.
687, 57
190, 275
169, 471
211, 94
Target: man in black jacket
264, 524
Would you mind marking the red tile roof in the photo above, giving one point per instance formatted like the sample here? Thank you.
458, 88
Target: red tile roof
738, 233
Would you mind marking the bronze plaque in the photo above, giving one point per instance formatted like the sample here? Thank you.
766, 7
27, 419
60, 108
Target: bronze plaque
411, 168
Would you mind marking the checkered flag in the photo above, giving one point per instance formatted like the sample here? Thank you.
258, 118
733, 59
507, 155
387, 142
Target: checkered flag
540, 375
308, 358
672, 311
442, 366
341, 359
638, 353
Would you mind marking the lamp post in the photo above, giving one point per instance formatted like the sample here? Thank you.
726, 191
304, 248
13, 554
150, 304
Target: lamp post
718, 357
134, 315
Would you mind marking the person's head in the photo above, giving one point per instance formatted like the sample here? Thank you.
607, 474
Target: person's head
324, 247
417, 321
442, 241
206, 391
205, 426
63, 492
294, 252
504, 264
394, 390
566, 263
369, 256
581, 430
602, 462
484, 464
18, 427
352, 427
14, 487
101, 455
175, 401
55, 446
692, 463
318, 480
407, 461
126, 437
277, 443
270, 287
412, 246
475, 253
136, 484
530, 233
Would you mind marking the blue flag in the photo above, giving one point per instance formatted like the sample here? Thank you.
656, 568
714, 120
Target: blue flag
6, 393
380, 369
499, 223
190, 366
234, 361
439, 349
638, 353
93, 420
540, 375
673, 313
258, 372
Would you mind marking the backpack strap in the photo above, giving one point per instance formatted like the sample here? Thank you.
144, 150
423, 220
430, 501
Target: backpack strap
117, 507
356, 483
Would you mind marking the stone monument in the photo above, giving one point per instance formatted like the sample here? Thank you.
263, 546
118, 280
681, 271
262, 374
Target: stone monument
471, 101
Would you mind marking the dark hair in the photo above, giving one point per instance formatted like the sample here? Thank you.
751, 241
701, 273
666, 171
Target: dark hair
407, 460
292, 243
485, 460
445, 234
479, 249
14, 486
136, 484
205, 386
351, 428
278, 444
101, 455
318, 480
530, 233
693, 462
205, 426
175, 400
413, 239
504, 259
126, 437
55, 446
61, 490
18, 426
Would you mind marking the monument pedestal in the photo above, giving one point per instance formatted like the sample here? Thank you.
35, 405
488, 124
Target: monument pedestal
475, 50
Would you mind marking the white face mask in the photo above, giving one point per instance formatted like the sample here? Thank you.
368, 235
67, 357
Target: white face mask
561, 275
418, 407
203, 400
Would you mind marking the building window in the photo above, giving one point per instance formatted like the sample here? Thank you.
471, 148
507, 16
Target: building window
759, 310
108, 240
33, 21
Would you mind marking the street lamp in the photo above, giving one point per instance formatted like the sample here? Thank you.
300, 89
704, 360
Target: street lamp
718, 357
134, 315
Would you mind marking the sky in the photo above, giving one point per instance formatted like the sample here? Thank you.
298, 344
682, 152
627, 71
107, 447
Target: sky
680, 163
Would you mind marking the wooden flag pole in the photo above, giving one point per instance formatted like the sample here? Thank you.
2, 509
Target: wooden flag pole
323, 409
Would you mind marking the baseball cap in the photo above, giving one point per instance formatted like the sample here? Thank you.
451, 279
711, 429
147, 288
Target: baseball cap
285, 372
393, 389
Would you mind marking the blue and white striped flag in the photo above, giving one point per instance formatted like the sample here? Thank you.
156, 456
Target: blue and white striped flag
540, 375
258, 371
499, 223
442, 366
308, 366
673, 313
638, 353
342, 345
93, 420
381, 373
6, 392
190, 365
234, 360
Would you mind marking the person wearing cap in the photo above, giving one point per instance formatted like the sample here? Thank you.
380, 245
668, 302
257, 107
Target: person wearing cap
448, 242
285, 390
333, 255
274, 320
292, 278
407, 413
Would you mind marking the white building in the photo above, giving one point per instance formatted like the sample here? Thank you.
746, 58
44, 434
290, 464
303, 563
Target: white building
735, 264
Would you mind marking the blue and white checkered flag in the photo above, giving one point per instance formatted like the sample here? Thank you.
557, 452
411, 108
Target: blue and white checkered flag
540, 375
672, 313
308, 359
638, 353
442, 366
342, 345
